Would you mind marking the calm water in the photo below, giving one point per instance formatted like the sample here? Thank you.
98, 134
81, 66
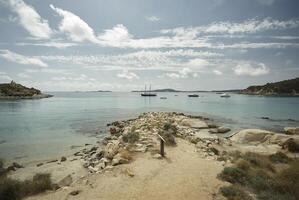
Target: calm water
39, 129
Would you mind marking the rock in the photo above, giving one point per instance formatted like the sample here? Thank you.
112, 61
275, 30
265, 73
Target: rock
213, 131
51, 161
119, 160
212, 125
10, 168
291, 130
291, 145
222, 129
157, 156
39, 164
129, 172
66, 181
63, 158
194, 123
75, 192
17, 165
214, 150
111, 149
251, 136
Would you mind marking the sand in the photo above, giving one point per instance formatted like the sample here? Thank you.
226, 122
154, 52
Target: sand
183, 174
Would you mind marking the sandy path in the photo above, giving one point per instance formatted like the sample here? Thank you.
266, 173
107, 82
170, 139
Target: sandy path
182, 175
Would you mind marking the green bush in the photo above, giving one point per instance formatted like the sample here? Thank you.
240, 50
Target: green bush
233, 192
15, 190
170, 128
279, 157
233, 175
131, 137
258, 160
168, 137
291, 145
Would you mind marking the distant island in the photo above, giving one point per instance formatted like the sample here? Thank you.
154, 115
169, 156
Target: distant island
281, 88
190, 91
14, 90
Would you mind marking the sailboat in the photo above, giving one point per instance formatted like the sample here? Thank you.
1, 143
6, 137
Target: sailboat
149, 93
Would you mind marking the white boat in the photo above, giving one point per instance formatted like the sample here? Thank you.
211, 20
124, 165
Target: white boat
224, 95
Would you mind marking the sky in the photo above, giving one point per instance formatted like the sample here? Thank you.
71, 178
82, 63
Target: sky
121, 45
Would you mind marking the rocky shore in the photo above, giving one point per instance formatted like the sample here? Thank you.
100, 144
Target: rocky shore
127, 162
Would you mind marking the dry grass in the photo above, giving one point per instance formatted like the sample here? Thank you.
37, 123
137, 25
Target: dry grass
131, 137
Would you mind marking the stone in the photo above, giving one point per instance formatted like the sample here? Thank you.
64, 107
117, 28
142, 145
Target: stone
17, 165
291, 130
223, 129
251, 136
39, 164
130, 173
63, 158
119, 160
66, 181
157, 156
74, 192
194, 123
111, 149
51, 161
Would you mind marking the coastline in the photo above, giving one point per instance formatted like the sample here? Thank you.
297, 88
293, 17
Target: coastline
38, 96
201, 137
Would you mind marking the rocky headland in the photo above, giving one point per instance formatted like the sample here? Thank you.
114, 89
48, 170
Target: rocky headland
14, 90
281, 88
127, 163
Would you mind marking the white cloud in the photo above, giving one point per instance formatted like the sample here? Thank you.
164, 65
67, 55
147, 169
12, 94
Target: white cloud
4, 77
76, 29
30, 19
114, 36
20, 59
153, 18
248, 70
127, 75
183, 73
227, 27
217, 72
59, 45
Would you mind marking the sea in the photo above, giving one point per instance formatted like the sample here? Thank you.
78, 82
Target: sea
32, 130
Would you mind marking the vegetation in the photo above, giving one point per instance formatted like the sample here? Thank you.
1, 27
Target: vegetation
131, 137
286, 87
17, 90
233, 192
291, 145
259, 174
15, 190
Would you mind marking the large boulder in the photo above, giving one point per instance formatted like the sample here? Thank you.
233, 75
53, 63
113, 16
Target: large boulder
194, 123
291, 130
111, 149
252, 136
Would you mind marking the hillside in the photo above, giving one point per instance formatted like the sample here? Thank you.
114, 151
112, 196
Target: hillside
14, 90
286, 87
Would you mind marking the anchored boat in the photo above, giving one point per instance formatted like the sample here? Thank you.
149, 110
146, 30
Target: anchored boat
224, 95
148, 94
193, 95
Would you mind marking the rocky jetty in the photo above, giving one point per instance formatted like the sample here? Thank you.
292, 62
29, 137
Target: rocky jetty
14, 90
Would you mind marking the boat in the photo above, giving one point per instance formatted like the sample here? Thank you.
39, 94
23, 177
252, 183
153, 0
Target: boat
163, 97
225, 95
193, 95
148, 94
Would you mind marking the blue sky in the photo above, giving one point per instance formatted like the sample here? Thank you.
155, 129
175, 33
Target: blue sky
121, 45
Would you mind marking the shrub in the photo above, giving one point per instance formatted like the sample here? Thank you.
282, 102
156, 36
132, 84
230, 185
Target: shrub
233, 175
291, 145
233, 192
243, 164
131, 137
279, 157
10, 189
168, 137
258, 160
170, 128
14, 190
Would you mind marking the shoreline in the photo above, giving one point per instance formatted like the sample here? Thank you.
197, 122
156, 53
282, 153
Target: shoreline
39, 96
120, 150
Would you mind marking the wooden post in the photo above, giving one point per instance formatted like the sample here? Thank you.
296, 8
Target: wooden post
162, 141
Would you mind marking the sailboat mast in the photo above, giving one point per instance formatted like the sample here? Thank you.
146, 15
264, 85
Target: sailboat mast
150, 89
145, 89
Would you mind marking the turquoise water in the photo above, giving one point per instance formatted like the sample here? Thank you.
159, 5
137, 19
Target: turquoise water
39, 129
